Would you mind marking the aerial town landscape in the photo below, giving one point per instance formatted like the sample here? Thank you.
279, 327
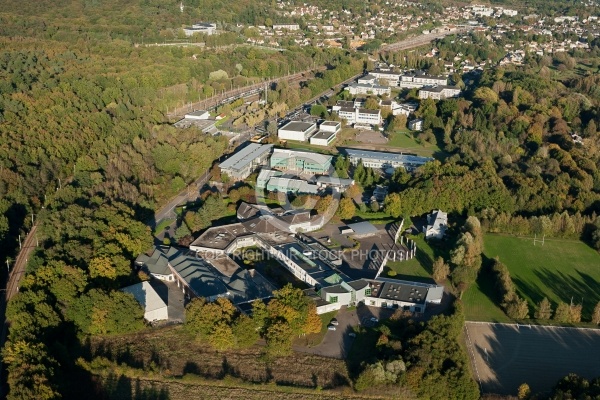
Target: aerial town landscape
310, 200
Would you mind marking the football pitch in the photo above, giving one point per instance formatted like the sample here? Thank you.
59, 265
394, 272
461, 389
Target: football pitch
562, 270
506, 355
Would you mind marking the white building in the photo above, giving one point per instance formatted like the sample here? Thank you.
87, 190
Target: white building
392, 78
297, 130
418, 81
368, 79
287, 27
323, 138
366, 88
400, 108
360, 116
155, 309
439, 92
383, 160
437, 223
416, 124
201, 27
198, 115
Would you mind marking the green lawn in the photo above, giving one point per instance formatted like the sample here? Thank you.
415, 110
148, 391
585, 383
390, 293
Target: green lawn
481, 302
405, 140
560, 269
419, 268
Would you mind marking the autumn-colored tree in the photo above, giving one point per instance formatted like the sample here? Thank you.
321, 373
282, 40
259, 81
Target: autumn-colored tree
279, 339
245, 331
392, 205
441, 270
313, 322
346, 208
596, 314
524, 392
562, 313
544, 309
221, 336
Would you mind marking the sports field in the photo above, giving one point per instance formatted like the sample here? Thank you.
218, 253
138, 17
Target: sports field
505, 356
560, 270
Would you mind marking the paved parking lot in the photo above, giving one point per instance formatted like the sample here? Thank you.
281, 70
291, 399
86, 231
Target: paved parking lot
336, 344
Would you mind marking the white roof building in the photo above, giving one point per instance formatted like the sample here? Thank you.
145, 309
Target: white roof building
155, 309
437, 223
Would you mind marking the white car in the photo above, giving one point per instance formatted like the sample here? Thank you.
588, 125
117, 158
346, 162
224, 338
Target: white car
352, 334
331, 327
374, 319
334, 322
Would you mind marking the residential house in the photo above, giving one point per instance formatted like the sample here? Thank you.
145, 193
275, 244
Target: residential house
437, 223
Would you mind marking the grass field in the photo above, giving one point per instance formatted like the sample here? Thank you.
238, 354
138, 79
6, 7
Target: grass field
405, 140
505, 356
560, 269
419, 268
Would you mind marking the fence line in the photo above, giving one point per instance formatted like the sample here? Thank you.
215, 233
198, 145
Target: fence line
597, 330
472, 354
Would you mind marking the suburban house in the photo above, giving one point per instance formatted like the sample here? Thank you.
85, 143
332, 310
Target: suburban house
300, 161
439, 92
247, 160
416, 124
155, 308
297, 130
200, 27
437, 223
383, 160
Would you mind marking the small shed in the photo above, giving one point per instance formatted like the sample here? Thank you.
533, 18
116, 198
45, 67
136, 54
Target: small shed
155, 308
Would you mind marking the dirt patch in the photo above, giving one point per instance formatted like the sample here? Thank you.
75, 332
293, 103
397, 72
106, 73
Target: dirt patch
373, 137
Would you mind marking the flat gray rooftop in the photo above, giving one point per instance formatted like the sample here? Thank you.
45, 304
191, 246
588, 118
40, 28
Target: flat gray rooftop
383, 156
297, 126
323, 135
245, 156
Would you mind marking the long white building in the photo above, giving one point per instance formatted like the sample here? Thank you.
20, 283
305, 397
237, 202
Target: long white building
360, 116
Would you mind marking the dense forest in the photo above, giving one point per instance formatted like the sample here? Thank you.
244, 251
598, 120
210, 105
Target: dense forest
509, 145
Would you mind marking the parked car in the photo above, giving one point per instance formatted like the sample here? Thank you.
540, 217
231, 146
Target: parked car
334, 322
331, 327
374, 319
352, 334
